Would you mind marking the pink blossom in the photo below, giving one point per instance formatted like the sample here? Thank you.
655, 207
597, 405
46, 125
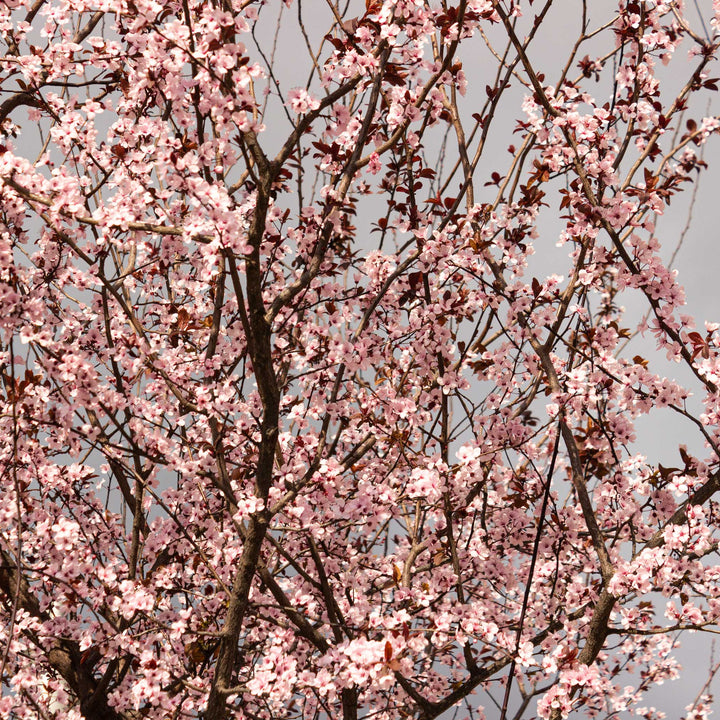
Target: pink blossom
301, 101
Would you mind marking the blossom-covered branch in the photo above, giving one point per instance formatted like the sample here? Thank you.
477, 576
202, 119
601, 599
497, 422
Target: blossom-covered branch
321, 366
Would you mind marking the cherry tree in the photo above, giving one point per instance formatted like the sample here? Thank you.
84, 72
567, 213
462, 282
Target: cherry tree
325, 331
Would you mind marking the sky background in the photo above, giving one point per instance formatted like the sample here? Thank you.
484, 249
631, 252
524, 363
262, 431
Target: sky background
694, 215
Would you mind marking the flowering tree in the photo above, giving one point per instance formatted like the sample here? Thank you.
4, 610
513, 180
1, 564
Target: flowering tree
294, 425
